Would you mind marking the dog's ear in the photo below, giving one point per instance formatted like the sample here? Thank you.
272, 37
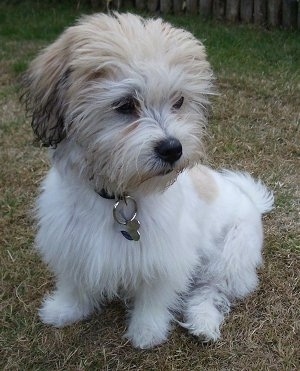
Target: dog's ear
46, 83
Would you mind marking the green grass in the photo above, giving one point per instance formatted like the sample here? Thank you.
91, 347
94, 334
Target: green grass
246, 49
254, 127
41, 20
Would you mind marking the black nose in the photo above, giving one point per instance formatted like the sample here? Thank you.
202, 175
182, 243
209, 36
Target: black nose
169, 150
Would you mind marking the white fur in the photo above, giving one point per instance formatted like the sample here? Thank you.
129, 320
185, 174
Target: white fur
217, 245
201, 230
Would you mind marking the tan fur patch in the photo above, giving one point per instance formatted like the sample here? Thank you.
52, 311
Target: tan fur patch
204, 183
130, 128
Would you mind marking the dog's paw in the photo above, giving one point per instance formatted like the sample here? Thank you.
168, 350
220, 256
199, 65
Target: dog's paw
58, 312
144, 336
204, 322
206, 331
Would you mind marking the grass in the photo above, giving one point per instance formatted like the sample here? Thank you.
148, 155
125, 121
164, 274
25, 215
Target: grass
255, 127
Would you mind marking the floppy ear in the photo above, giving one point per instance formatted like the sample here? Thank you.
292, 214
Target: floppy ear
46, 83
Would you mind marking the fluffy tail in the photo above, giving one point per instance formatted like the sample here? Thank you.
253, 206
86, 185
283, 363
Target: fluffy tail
262, 198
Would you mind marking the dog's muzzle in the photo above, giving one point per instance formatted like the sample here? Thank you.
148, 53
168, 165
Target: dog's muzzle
169, 150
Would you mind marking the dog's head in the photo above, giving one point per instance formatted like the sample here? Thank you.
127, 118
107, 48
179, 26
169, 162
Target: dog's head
123, 100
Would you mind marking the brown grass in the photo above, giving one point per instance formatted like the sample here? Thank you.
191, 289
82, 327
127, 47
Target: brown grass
254, 128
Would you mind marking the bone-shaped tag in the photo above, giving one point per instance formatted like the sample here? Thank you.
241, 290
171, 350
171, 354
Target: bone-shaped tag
132, 233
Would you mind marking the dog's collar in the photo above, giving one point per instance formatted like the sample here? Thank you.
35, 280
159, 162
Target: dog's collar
129, 226
104, 194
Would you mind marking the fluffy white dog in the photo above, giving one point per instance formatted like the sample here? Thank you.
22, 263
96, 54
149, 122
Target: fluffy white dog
126, 209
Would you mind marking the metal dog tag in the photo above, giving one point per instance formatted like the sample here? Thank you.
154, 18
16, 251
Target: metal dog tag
130, 224
132, 232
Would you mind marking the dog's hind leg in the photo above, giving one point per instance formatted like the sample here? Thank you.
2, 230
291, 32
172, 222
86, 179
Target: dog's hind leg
66, 305
228, 276
205, 311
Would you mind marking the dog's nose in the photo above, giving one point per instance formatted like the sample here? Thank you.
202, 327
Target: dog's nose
169, 150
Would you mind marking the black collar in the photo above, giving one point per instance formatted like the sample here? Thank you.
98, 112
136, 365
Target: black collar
103, 193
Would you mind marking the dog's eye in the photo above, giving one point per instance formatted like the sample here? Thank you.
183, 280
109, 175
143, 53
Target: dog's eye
127, 106
179, 103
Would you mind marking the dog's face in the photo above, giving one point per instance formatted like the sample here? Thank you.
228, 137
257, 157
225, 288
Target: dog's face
124, 99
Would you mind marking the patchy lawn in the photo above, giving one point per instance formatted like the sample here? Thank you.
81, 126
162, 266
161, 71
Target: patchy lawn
255, 127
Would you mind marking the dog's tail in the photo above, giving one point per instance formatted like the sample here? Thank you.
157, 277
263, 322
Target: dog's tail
258, 193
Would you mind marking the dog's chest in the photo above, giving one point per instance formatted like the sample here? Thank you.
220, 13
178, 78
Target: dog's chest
167, 246
88, 244
163, 248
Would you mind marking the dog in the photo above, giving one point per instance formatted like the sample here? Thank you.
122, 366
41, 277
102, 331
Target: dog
128, 210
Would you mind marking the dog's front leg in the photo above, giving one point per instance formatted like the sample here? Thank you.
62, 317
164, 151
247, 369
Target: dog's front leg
150, 317
66, 305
